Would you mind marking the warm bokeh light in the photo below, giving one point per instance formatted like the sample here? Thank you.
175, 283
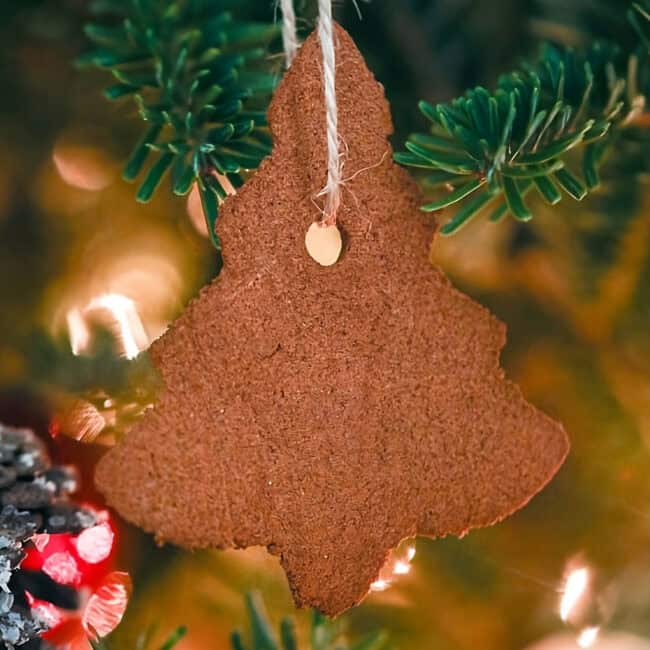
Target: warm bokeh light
77, 331
82, 167
397, 564
78, 419
118, 313
602, 641
588, 637
574, 589
129, 326
134, 296
379, 585
195, 209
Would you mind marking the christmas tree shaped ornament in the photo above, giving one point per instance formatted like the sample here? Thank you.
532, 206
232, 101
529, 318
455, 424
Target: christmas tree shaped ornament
328, 412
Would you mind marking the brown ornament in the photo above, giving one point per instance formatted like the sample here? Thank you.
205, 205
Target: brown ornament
329, 412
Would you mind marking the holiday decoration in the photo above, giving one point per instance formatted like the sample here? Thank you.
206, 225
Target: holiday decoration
83, 562
329, 412
56, 558
35, 508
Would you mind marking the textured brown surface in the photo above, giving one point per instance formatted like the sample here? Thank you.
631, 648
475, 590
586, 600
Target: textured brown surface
328, 413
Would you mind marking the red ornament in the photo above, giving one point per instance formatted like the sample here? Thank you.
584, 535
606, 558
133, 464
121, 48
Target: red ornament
84, 561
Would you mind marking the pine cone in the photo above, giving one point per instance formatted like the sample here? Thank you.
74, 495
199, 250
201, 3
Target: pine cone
33, 500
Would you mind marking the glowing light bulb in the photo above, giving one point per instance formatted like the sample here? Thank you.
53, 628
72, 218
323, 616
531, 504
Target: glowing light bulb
77, 331
588, 637
574, 589
123, 312
398, 564
131, 330
401, 568
379, 585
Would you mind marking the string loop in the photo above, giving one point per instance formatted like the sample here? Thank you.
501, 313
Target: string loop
289, 32
332, 190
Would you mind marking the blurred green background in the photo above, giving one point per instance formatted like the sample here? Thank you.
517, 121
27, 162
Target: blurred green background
573, 287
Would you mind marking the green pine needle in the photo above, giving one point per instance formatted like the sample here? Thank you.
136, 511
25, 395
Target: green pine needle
199, 79
144, 640
487, 146
639, 17
324, 634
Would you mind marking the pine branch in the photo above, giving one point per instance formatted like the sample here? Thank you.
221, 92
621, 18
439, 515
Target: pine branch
639, 16
324, 633
493, 149
198, 79
144, 640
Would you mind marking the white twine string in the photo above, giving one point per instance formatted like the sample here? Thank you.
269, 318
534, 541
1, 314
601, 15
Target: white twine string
289, 33
332, 190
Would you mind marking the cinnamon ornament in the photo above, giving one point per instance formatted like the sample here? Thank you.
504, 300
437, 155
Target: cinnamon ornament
329, 412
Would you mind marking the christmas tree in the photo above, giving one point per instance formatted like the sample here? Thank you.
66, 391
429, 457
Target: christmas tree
133, 132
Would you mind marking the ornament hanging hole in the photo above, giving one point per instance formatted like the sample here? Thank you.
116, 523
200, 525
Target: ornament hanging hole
324, 243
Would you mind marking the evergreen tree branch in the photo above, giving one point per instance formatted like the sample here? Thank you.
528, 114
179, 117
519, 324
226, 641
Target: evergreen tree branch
639, 17
324, 634
144, 640
492, 149
198, 79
